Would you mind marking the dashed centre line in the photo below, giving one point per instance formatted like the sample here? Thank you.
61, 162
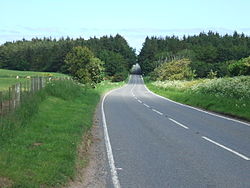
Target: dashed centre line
226, 148
183, 126
157, 112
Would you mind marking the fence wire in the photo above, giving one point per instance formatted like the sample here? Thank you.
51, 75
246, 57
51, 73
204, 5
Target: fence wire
13, 97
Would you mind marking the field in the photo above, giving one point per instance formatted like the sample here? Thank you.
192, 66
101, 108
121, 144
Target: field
39, 140
230, 96
8, 77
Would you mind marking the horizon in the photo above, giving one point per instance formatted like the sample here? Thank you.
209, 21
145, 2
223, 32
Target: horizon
132, 20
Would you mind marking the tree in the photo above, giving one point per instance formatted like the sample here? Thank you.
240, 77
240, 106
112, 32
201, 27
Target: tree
174, 70
83, 66
148, 55
48, 54
96, 69
114, 62
209, 49
241, 67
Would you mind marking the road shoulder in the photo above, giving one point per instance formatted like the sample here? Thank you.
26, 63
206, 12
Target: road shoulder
95, 173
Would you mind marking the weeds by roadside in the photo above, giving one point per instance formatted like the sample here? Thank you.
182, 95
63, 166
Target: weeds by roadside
38, 144
229, 96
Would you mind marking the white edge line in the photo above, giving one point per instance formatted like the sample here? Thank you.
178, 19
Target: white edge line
210, 113
185, 127
226, 148
113, 171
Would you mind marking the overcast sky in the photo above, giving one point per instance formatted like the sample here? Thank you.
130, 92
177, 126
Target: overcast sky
133, 19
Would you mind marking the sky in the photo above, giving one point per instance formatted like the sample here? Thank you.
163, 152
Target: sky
133, 19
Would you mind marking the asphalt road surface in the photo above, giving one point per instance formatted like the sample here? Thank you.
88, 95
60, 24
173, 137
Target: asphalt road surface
155, 142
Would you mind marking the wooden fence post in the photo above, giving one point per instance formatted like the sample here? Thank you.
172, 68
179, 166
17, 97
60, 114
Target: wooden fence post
9, 98
13, 97
1, 102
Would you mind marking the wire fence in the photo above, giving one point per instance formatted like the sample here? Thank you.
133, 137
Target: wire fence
13, 97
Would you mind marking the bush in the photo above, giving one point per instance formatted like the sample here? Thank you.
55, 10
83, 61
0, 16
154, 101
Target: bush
203, 69
174, 70
241, 67
83, 66
120, 76
236, 87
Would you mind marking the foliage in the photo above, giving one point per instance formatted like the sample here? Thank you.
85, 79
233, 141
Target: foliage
174, 70
96, 70
39, 141
48, 54
177, 84
241, 67
225, 95
115, 63
212, 74
120, 76
236, 87
203, 69
83, 66
209, 49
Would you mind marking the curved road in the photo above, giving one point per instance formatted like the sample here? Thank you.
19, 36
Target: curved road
155, 142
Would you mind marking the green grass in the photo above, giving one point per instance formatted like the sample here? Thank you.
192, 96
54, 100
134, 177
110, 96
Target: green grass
8, 77
5, 83
222, 104
38, 144
14, 73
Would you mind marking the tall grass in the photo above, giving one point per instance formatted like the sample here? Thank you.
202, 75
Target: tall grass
38, 144
229, 96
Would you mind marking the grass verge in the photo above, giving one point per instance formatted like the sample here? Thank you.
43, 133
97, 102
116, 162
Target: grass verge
38, 144
225, 105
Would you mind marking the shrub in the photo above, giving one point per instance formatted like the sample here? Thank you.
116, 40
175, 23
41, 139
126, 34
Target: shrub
120, 76
241, 67
202, 69
83, 66
236, 87
174, 70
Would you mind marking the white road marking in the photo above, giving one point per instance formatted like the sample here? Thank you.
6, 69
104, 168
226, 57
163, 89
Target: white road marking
210, 113
185, 127
132, 90
146, 105
226, 148
157, 112
114, 175
139, 101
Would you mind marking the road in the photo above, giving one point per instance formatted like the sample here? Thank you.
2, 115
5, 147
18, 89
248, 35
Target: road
155, 142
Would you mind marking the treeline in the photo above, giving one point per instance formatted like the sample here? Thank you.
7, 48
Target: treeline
208, 52
49, 54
